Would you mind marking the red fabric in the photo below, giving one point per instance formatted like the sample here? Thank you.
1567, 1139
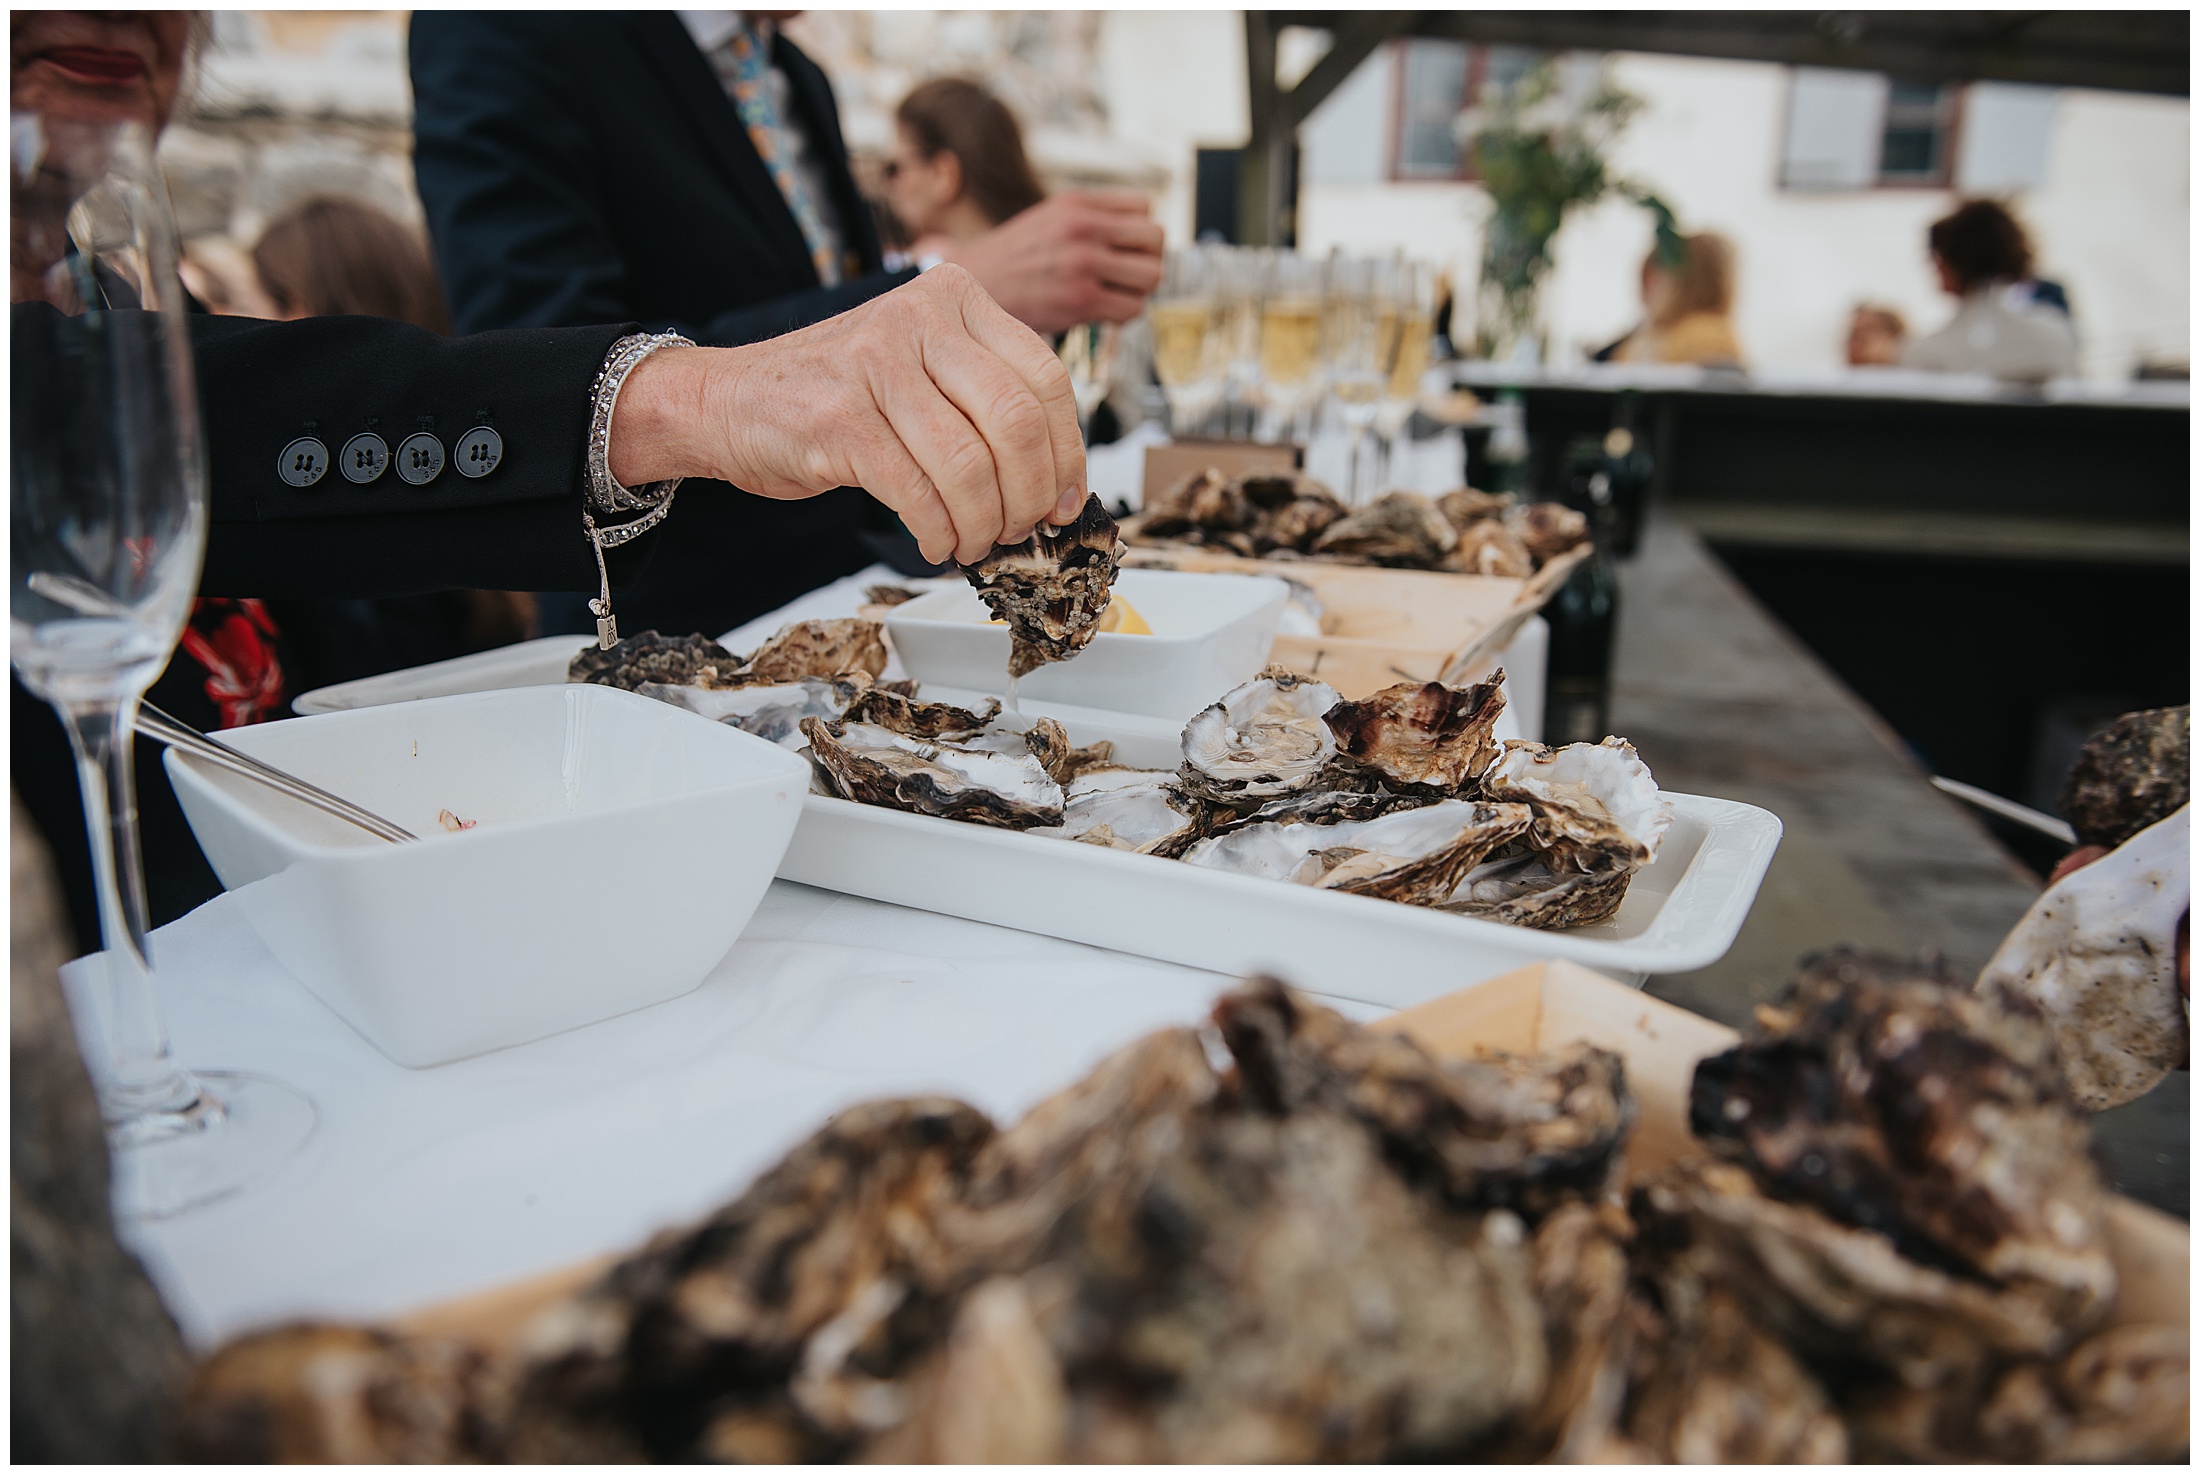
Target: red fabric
234, 639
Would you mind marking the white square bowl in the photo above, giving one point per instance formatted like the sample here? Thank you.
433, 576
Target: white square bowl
621, 846
1210, 633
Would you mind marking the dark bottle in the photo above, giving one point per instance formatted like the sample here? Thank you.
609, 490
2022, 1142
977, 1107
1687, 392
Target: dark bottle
1584, 613
1628, 466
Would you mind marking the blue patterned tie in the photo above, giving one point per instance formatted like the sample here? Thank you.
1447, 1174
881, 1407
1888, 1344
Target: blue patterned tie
742, 65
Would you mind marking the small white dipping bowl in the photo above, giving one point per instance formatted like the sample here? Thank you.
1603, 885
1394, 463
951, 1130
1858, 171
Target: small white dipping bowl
620, 846
1211, 632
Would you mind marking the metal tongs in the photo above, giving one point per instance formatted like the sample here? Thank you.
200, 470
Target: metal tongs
162, 728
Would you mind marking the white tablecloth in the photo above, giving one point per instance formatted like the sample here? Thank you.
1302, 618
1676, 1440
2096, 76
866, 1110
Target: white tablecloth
423, 1184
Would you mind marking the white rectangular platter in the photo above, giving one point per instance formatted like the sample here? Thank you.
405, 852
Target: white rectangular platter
1682, 911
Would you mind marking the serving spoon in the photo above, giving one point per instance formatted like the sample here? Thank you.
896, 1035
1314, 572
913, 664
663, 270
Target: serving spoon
152, 722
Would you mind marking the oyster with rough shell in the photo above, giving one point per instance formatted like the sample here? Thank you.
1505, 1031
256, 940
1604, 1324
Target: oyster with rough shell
1417, 856
1465, 506
639, 660
1397, 529
985, 785
1884, 1095
1596, 805
1052, 588
1547, 529
1421, 735
2134, 775
817, 648
1261, 741
1491, 549
937, 721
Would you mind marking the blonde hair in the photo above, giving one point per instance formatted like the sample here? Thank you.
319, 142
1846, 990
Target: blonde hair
1704, 281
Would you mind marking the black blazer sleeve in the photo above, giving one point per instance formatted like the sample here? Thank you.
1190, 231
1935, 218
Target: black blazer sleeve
512, 146
264, 386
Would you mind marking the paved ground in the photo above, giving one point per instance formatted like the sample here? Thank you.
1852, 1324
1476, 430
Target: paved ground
1720, 699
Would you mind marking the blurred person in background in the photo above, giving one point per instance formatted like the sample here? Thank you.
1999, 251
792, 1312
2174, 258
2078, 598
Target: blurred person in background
2005, 324
686, 170
958, 168
1688, 308
1876, 335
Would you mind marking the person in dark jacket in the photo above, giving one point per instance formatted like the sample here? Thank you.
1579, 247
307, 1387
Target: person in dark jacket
686, 170
956, 418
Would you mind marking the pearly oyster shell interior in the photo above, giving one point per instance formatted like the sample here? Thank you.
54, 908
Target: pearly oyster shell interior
1417, 856
876, 765
1595, 804
1261, 741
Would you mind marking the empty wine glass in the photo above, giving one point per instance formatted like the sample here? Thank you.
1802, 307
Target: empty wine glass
108, 523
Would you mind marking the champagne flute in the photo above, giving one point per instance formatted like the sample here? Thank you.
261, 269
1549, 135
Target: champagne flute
1412, 295
108, 523
1357, 369
1183, 317
1290, 342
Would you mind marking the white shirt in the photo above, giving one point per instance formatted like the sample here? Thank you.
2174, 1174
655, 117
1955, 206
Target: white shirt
1996, 332
709, 29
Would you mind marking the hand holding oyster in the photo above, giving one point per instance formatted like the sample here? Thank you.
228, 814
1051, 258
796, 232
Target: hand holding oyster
1052, 588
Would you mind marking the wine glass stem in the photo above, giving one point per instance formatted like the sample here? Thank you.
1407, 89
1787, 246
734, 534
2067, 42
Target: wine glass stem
144, 1077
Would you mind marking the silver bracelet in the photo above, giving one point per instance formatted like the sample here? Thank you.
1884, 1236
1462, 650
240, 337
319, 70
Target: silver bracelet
605, 494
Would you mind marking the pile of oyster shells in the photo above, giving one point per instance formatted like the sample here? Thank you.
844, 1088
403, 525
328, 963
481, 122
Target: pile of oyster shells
1288, 515
1283, 1236
1406, 796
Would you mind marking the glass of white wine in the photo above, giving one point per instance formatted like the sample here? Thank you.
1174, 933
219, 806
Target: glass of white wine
1185, 359
1411, 308
1355, 363
1290, 344
1241, 284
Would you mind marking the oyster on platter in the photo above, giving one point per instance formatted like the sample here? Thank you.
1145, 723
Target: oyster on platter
1547, 529
1418, 856
818, 648
772, 711
1595, 804
1129, 809
1421, 736
936, 721
876, 765
1491, 549
1322, 806
2097, 953
1052, 588
1521, 891
1261, 741
650, 658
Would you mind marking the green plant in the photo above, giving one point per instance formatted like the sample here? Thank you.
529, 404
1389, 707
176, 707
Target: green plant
1540, 145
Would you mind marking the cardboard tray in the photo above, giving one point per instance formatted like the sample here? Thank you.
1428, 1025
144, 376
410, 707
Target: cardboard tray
1381, 626
1538, 1007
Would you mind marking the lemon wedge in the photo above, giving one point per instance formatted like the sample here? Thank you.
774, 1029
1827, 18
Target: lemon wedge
1120, 619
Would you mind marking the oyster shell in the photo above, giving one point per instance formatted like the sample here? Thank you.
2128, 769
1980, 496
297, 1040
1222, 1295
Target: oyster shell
1261, 741
1521, 891
2133, 775
2097, 953
875, 765
936, 721
773, 712
639, 660
310, 1393
1466, 506
1426, 735
818, 648
1547, 529
1399, 529
1595, 804
1491, 549
1129, 809
1416, 856
1320, 807
1882, 1094
1051, 588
